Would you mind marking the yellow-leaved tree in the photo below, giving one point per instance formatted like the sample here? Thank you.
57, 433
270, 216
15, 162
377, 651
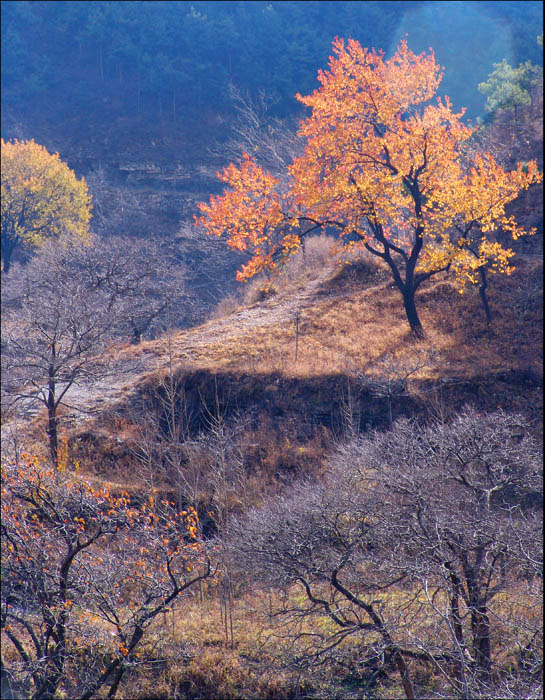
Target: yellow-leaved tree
41, 198
384, 164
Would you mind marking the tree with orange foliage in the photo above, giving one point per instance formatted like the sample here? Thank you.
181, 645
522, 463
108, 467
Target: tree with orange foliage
388, 169
84, 574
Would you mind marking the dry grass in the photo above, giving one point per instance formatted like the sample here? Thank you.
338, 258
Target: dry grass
198, 660
187, 654
227, 306
259, 289
350, 320
346, 326
317, 255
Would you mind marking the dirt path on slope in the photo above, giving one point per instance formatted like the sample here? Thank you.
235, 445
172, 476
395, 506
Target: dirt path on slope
184, 347
128, 366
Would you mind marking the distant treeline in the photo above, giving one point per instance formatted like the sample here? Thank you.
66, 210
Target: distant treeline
165, 58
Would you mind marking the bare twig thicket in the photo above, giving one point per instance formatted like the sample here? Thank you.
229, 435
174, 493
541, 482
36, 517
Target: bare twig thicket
69, 303
425, 545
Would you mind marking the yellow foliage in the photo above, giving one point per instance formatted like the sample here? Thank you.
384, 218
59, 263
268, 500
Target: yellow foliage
41, 198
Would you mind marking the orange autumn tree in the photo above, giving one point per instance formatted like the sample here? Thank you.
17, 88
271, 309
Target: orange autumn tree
384, 165
85, 572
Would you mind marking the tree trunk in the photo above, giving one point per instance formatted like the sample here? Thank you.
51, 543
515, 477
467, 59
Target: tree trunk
396, 654
482, 291
456, 621
404, 674
7, 262
412, 314
117, 680
52, 422
6, 690
8, 246
480, 627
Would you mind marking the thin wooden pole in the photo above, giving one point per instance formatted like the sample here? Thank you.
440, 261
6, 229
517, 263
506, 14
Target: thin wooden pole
296, 334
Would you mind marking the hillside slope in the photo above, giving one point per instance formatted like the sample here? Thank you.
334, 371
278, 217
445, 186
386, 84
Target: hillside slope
353, 365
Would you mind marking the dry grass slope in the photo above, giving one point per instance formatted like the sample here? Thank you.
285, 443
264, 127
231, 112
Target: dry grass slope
248, 359
352, 317
293, 354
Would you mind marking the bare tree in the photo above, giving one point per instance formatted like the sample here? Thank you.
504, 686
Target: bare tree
393, 375
407, 546
161, 434
317, 541
54, 327
194, 449
465, 501
68, 304
272, 141
207, 469
113, 207
217, 452
147, 280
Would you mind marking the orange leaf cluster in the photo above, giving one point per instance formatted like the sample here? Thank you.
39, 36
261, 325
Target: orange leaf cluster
384, 162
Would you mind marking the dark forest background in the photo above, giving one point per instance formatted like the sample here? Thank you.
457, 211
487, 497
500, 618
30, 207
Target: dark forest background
143, 99
174, 59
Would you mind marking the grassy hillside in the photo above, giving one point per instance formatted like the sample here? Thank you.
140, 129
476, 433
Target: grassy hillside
328, 349
275, 396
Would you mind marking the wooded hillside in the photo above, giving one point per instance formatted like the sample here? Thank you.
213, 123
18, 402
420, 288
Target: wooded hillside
272, 334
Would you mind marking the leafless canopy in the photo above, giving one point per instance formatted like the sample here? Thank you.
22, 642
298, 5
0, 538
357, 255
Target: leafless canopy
425, 545
273, 142
62, 310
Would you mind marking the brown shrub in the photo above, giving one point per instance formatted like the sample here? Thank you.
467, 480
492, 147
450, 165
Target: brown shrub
227, 306
259, 289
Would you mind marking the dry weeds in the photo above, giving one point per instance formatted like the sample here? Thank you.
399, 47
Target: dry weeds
345, 320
